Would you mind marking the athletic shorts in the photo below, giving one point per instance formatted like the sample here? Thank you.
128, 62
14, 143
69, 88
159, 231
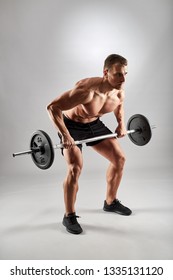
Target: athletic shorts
81, 131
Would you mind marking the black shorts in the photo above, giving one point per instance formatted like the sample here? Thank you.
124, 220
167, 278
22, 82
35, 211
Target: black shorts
81, 131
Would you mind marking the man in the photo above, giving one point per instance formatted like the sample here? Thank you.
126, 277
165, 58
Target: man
76, 116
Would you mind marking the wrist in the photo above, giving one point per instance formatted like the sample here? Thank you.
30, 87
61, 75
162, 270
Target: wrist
65, 134
121, 124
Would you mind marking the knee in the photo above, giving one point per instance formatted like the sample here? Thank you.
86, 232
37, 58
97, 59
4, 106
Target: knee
120, 162
75, 171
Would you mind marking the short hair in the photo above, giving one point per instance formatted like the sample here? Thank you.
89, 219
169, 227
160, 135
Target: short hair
114, 58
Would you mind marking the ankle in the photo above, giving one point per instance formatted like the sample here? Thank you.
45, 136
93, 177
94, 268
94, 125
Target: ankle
67, 214
110, 201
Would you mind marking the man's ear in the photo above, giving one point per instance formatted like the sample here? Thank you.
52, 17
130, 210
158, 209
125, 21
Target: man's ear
105, 72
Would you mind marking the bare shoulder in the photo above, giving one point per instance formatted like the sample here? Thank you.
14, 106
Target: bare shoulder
121, 95
89, 83
82, 91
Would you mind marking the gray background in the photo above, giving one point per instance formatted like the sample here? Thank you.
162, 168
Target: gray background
45, 47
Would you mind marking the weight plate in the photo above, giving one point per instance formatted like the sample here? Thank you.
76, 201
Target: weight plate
143, 134
45, 157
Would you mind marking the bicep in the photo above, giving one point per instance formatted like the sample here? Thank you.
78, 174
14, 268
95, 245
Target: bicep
119, 111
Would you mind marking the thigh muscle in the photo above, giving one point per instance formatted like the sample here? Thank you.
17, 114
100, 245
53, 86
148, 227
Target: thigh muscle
110, 149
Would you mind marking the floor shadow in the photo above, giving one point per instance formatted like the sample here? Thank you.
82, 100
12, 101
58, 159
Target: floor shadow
102, 229
153, 210
25, 228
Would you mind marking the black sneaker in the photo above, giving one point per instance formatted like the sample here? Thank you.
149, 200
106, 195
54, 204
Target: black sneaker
117, 207
71, 223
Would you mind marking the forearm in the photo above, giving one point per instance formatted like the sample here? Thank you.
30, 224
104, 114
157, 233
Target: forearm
119, 113
121, 129
56, 117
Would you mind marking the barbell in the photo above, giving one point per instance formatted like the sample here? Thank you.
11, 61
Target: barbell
41, 149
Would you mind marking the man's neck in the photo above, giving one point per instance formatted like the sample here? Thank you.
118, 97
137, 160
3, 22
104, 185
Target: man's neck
105, 86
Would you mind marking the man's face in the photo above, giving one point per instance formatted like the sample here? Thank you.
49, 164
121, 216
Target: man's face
116, 75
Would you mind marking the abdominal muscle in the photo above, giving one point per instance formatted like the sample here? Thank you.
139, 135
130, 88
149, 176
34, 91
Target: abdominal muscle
77, 114
98, 106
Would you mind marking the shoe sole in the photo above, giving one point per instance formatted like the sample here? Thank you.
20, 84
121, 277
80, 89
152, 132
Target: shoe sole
70, 231
117, 212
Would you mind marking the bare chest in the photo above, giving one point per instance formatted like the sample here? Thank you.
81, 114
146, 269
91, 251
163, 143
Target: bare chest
101, 104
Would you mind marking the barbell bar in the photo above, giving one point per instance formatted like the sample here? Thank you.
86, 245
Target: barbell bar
78, 142
42, 149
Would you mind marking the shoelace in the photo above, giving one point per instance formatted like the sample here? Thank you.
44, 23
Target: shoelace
116, 201
72, 219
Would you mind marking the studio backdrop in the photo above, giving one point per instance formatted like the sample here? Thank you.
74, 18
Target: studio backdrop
48, 45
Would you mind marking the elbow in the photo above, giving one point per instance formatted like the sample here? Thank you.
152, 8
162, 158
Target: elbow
50, 107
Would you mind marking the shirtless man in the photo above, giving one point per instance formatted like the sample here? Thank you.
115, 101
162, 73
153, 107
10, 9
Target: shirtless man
76, 116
